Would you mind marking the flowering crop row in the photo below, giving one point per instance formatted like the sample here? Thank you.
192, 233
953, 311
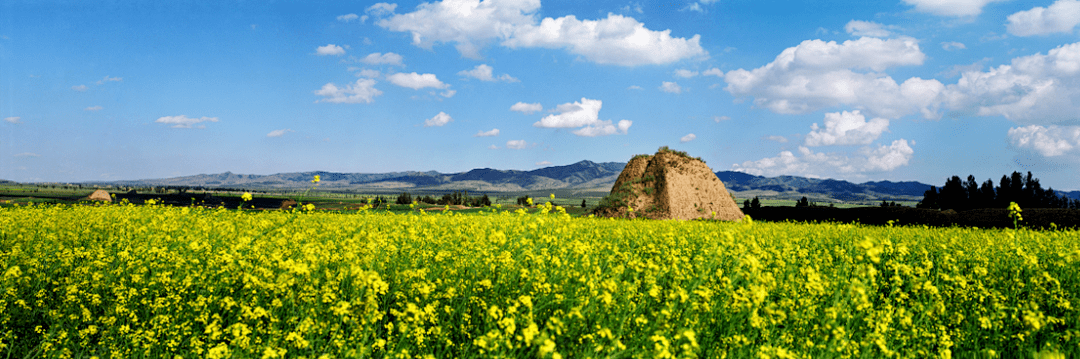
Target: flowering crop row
152, 281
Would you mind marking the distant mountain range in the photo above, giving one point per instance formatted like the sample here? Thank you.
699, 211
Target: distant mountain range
584, 176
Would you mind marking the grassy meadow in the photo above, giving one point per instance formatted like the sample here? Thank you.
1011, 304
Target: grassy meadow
123, 281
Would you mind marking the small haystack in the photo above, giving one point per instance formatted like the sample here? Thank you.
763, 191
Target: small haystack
100, 195
669, 185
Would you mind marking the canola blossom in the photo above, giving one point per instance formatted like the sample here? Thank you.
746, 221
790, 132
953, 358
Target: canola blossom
120, 281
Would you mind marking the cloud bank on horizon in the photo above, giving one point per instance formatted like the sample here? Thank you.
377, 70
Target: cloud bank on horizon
875, 91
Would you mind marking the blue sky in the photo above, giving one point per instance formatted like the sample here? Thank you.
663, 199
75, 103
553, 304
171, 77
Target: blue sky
905, 90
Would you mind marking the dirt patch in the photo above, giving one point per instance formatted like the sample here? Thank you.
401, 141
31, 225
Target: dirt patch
669, 185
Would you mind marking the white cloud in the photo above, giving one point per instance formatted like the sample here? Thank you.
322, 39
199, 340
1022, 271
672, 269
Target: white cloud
493, 147
604, 128
94, 108
381, 9
493, 132
516, 144
717, 119
472, 24
26, 154
448, 93
687, 138
363, 91
634, 87
347, 17
713, 72
483, 72
780, 139
416, 81
818, 164
184, 121
670, 87
79, 88
959, 8
544, 163
1036, 89
684, 73
439, 120
867, 28
330, 49
817, 74
388, 58
527, 108
846, 128
109, 79
369, 73
952, 45
13, 119
278, 133
1050, 141
1061, 17
577, 114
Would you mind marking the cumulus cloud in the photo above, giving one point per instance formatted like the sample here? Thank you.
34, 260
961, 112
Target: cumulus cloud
947, 46
687, 138
278, 133
493, 132
330, 49
780, 139
634, 87
527, 108
1060, 17
416, 81
713, 72
817, 74
684, 73
388, 58
381, 9
867, 28
576, 114
347, 17
604, 128
94, 108
846, 128
439, 120
13, 119
717, 119
369, 73
586, 115
818, 164
184, 121
1035, 89
363, 91
516, 144
670, 87
1049, 141
472, 24
959, 8
448, 93
79, 88
483, 72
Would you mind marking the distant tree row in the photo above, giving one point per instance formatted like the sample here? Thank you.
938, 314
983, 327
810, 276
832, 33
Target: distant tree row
1025, 191
455, 198
754, 203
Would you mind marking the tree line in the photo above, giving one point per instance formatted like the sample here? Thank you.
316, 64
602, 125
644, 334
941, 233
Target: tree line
1026, 191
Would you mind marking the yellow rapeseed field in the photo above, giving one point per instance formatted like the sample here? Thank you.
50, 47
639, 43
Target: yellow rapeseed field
123, 281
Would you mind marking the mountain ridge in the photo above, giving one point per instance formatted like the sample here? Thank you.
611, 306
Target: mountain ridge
582, 176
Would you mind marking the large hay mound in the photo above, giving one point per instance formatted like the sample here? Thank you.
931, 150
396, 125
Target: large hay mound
669, 185
100, 195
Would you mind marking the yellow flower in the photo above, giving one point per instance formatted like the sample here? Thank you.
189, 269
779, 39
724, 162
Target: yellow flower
309, 207
529, 201
553, 196
316, 180
246, 197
